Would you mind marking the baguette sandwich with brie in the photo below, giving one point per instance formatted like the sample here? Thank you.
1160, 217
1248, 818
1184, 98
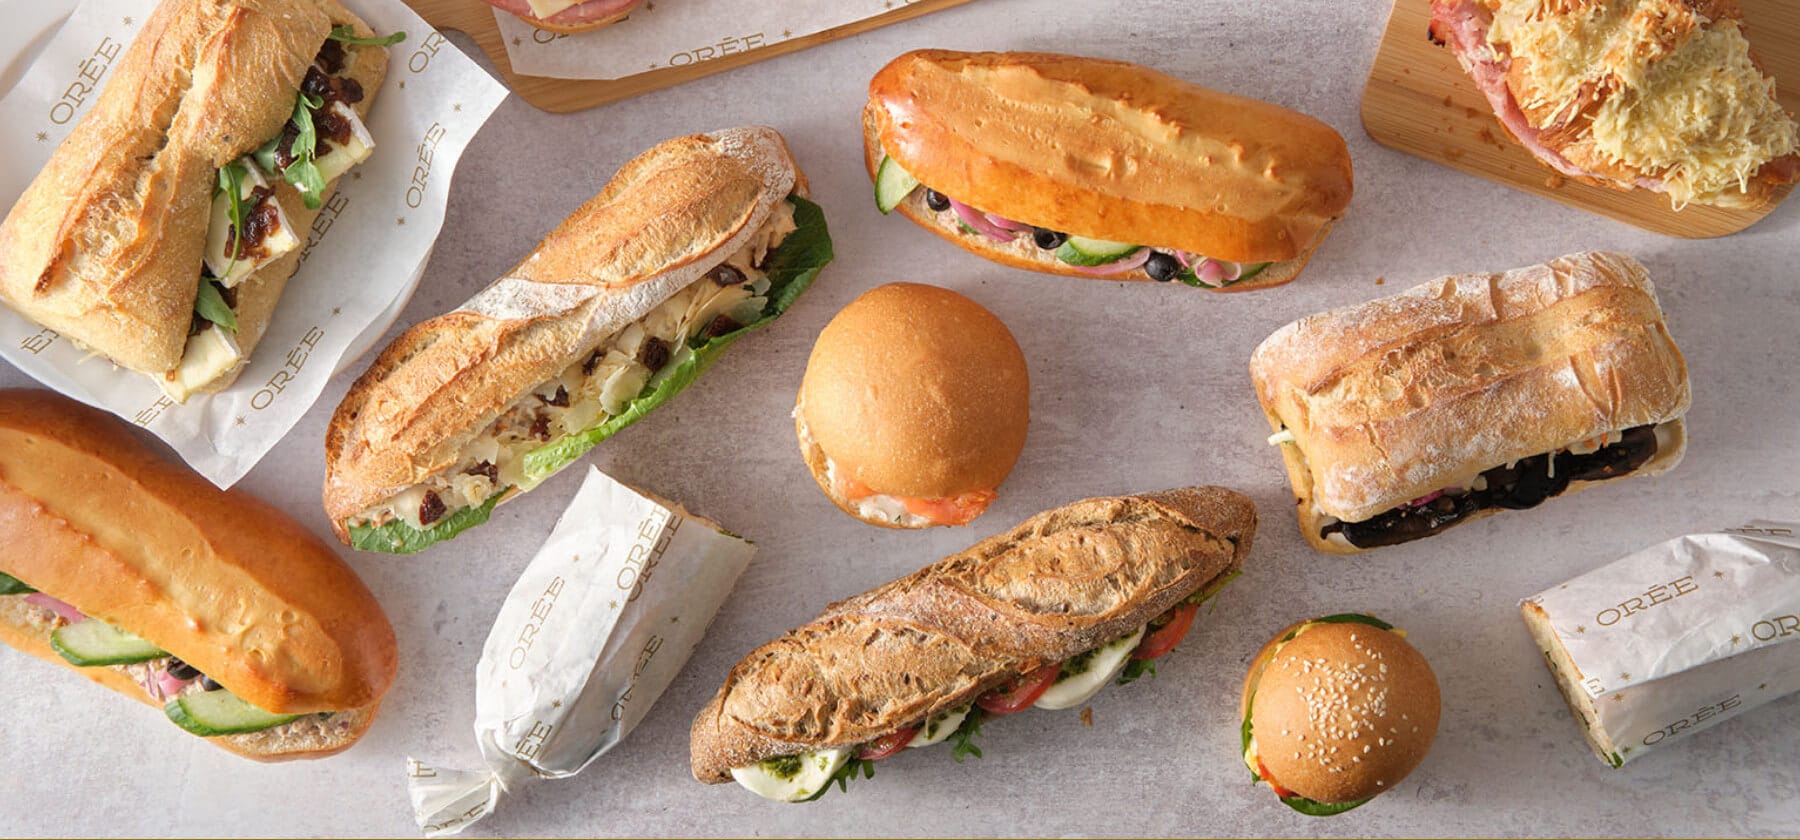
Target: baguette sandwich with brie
1046, 614
1661, 95
1472, 394
162, 232
1087, 167
689, 247
567, 17
237, 622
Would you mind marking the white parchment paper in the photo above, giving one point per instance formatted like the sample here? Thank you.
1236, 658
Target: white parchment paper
593, 631
675, 33
1685, 634
364, 254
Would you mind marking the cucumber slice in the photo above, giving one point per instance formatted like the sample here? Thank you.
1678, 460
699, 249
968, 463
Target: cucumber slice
892, 185
1080, 250
10, 585
98, 643
209, 713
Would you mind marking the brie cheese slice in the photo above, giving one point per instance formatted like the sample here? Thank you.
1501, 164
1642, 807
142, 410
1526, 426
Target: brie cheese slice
211, 353
277, 242
341, 157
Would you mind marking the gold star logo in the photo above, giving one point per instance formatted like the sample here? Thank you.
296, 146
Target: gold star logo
1581, 628
356, 176
1618, 698
518, 42
1763, 687
403, 84
1625, 676
42, 136
787, 33
336, 310
556, 704
401, 221
612, 604
1719, 575
240, 421
1736, 639
128, 21
456, 107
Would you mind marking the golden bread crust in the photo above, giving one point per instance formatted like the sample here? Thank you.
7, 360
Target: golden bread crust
1112, 150
219, 578
1062, 582
1402, 396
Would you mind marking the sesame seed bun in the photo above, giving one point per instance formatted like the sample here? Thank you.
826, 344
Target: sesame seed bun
914, 391
1341, 712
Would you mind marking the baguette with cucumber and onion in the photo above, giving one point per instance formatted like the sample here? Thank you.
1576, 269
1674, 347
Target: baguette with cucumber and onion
1097, 168
238, 623
688, 248
1044, 615
163, 230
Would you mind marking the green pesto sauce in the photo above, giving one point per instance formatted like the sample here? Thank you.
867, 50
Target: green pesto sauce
782, 767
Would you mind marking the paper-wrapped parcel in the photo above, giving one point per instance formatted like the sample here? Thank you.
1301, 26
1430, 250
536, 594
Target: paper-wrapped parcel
1675, 638
594, 630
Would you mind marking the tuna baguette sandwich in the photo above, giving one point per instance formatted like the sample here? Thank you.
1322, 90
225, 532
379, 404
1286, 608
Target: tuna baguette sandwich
1470, 395
237, 622
1662, 95
567, 16
1086, 167
1044, 615
163, 230
689, 247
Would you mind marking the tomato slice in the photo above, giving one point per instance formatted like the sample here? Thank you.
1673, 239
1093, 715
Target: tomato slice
1163, 639
1020, 692
887, 745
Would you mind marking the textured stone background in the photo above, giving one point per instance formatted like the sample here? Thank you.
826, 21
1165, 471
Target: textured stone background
1137, 387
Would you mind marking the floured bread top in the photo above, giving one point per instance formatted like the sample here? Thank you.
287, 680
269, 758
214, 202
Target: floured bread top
1399, 397
1112, 150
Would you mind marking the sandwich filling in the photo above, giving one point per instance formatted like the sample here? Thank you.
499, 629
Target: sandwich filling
622, 378
248, 230
1095, 257
192, 700
904, 511
804, 777
1259, 772
1518, 485
1649, 93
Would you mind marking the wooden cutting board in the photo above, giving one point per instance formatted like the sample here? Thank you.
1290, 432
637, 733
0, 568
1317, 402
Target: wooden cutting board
1418, 100
476, 19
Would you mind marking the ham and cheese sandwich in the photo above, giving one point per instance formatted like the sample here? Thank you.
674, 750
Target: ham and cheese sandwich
567, 17
1661, 95
1472, 394
163, 230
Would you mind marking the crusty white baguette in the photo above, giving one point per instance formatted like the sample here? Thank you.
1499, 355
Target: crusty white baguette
105, 246
1107, 150
662, 222
1396, 398
218, 578
1061, 583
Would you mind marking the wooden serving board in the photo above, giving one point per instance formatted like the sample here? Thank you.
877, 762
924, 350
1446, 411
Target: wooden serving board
476, 19
1419, 100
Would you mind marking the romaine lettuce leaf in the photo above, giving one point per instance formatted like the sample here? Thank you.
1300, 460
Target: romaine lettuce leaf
397, 537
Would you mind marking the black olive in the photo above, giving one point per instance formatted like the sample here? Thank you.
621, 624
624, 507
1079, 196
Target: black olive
1162, 268
181, 670
937, 201
1047, 239
207, 684
725, 275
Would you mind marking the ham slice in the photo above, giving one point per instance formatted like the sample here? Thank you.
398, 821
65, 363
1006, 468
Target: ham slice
575, 15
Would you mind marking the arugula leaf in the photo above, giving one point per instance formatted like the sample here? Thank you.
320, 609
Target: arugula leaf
844, 776
10, 585
1135, 670
210, 303
302, 172
397, 537
792, 267
347, 35
231, 182
963, 739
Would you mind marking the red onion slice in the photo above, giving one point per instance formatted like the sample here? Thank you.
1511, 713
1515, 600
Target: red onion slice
1008, 224
978, 220
168, 685
1120, 266
68, 613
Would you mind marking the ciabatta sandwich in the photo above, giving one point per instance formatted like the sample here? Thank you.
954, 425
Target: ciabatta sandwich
567, 17
688, 248
1088, 167
1472, 394
140, 575
163, 230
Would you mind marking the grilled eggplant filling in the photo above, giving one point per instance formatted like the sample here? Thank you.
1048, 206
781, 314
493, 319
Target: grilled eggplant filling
587, 394
1523, 484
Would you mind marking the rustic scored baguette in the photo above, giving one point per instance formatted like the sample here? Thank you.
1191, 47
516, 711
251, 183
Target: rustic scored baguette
1062, 583
1380, 407
688, 247
106, 246
1046, 145
234, 588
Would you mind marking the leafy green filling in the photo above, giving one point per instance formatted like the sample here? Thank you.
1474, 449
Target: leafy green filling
302, 172
347, 35
397, 537
10, 585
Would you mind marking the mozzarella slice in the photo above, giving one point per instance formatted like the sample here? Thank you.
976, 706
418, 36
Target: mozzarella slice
1084, 676
792, 778
210, 354
360, 145
544, 8
939, 727
281, 240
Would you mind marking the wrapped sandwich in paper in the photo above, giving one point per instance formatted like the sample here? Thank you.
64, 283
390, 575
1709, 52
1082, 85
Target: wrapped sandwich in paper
594, 630
1675, 638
